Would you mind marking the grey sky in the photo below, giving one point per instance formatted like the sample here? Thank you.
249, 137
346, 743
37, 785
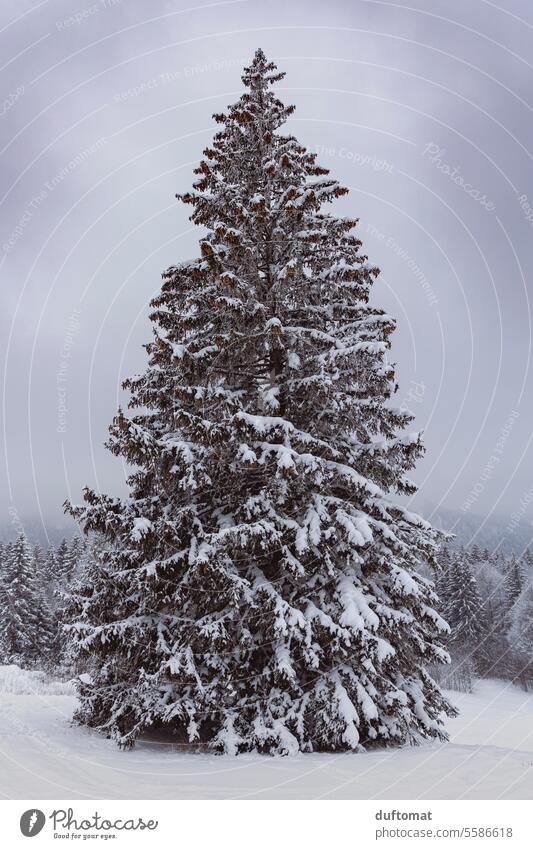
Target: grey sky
424, 112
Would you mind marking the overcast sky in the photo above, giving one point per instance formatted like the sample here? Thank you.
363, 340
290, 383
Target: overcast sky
424, 110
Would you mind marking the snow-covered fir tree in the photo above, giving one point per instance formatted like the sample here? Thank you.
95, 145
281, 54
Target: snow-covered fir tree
442, 576
50, 572
475, 554
51, 628
445, 557
24, 619
65, 561
39, 561
520, 636
74, 559
78, 553
4, 549
527, 560
464, 607
514, 581
259, 589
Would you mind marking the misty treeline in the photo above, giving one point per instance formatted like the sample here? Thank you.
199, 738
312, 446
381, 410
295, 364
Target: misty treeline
486, 598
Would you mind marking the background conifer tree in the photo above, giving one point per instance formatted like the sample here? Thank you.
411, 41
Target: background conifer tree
514, 581
24, 620
520, 637
64, 561
475, 554
464, 608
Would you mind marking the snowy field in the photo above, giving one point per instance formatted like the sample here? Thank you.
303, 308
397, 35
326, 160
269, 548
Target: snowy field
42, 756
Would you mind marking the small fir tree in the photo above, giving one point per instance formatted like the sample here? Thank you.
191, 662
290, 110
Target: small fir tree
528, 557
51, 572
520, 637
77, 556
465, 611
442, 576
514, 581
4, 550
65, 562
475, 554
24, 622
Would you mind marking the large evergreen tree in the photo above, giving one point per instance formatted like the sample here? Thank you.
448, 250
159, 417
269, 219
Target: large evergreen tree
259, 587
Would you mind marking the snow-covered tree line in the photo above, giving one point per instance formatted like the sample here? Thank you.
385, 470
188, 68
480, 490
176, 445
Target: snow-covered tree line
33, 586
487, 599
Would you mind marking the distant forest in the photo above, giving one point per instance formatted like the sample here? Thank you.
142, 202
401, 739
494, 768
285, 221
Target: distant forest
486, 598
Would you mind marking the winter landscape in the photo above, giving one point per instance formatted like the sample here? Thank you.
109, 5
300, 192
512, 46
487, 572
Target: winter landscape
489, 753
42, 756
300, 566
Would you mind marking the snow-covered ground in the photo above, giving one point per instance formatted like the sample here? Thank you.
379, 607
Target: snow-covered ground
42, 755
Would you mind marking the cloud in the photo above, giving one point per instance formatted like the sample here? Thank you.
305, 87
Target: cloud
107, 109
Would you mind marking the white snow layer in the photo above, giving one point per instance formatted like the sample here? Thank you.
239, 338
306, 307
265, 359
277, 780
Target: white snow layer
44, 756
